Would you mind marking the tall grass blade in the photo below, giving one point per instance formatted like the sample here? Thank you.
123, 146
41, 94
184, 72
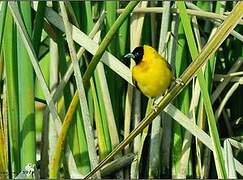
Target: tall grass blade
26, 94
4, 156
229, 160
10, 60
53, 81
38, 26
3, 11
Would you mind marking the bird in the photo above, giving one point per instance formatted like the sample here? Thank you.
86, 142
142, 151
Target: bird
151, 74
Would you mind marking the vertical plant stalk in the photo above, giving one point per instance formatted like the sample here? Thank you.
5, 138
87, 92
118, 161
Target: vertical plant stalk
130, 100
105, 104
209, 49
229, 160
4, 158
26, 94
102, 128
38, 25
110, 8
180, 64
194, 102
123, 37
167, 120
3, 11
83, 103
108, 106
52, 134
186, 146
137, 21
10, 61
156, 130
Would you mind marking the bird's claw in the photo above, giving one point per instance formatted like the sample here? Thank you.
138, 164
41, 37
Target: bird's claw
155, 107
179, 81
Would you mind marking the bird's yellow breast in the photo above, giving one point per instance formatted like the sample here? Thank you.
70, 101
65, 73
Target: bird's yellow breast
152, 75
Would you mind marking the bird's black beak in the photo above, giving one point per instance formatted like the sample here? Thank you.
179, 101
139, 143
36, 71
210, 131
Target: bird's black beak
129, 55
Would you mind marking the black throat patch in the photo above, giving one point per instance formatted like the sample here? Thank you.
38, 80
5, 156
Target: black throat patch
138, 53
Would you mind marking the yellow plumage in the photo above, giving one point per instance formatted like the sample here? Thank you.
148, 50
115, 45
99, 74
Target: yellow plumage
152, 75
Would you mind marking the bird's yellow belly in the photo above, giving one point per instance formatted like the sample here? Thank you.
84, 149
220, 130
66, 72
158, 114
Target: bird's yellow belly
153, 81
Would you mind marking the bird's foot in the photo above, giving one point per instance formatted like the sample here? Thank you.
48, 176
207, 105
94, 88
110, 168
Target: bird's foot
155, 106
179, 81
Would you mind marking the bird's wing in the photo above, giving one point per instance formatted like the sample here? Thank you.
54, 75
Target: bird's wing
168, 65
170, 68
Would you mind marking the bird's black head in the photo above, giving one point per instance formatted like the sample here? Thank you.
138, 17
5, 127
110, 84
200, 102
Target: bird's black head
138, 54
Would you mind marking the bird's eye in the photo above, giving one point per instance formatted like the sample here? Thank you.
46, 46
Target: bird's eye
136, 54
